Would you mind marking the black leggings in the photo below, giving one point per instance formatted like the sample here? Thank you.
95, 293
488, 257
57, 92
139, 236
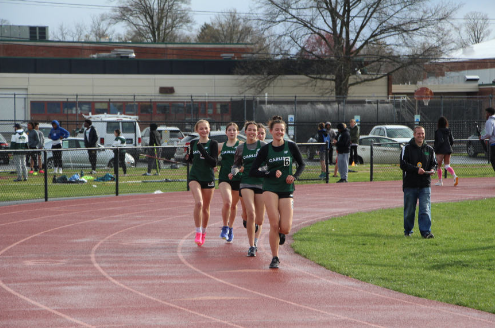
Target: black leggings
353, 157
92, 158
121, 162
492, 156
57, 156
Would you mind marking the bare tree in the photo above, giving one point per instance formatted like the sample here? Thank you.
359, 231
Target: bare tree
230, 27
345, 29
62, 33
475, 29
79, 32
100, 27
154, 20
4, 21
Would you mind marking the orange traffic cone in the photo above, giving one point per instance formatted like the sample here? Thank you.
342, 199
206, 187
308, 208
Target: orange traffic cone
353, 164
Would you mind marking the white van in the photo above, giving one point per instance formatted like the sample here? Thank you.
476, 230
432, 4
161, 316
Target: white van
106, 124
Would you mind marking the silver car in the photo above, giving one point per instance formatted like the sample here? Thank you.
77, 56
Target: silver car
78, 158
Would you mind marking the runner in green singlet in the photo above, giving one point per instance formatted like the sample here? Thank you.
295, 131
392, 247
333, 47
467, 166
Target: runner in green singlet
229, 188
251, 187
278, 184
203, 155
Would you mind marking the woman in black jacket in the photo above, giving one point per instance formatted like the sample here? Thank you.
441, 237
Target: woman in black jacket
443, 150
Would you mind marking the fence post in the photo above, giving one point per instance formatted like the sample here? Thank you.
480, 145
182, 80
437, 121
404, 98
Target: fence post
441, 105
371, 161
295, 118
245, 118
116, 165
326, 161
46, 175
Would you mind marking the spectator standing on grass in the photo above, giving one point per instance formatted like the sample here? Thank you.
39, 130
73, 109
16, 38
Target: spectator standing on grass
154, 153
203, 155
57, 134
119, 155
343, 144
443, 149
322, 137
418, 164
354, 132
332, 135
20, 141
32, 156
91, 141
41, 145
490, 133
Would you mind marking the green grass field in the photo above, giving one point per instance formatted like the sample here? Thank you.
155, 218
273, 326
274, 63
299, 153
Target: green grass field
456, 267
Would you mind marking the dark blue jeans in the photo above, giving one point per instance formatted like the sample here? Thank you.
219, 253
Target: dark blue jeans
411, 196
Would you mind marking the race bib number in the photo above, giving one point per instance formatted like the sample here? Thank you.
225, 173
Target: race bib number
286, 161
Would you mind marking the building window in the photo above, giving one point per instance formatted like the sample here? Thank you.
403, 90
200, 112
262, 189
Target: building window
37, 108
69, 108
101, 107
131, 109
116, 108
162, 108
178, 108
53, 107
210, 109
145, 108
84, 107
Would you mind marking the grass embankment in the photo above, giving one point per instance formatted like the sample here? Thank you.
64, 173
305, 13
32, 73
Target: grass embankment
457, 266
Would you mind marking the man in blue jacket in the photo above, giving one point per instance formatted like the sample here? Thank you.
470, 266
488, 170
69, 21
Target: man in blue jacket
57, 134
418, 164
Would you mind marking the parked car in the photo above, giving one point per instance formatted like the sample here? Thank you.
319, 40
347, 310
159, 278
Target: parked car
399, 133
385, 150
79, 158
4, 156
474, 147
183, 146
171, 136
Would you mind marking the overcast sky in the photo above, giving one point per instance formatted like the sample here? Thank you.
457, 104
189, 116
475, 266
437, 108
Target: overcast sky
52, 12
32, 12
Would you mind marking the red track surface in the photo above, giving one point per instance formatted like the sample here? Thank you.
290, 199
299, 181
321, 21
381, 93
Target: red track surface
130, 261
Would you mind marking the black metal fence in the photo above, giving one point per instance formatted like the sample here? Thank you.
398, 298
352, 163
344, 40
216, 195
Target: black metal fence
152, 173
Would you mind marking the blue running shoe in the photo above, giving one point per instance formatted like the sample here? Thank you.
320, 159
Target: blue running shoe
225, 232
231, 235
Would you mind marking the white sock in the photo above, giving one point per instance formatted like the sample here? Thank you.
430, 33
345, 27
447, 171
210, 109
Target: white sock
198, 229
255, 241
203, 230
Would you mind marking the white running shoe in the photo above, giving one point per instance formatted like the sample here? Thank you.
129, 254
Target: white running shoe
439, 183
456, 180
59, 170
55, 170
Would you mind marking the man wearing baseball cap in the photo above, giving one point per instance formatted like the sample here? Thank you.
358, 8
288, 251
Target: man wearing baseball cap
19, 141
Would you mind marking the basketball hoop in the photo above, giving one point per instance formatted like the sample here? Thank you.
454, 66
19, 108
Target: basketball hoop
424, 94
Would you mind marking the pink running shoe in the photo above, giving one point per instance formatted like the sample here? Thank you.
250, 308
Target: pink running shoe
199, 239
203, 237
